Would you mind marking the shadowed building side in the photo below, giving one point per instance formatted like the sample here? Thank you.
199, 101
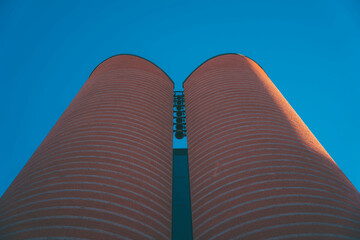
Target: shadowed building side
256, 171
105, 169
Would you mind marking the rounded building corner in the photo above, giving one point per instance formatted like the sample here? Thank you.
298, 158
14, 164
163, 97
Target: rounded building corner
217, 57
129, 55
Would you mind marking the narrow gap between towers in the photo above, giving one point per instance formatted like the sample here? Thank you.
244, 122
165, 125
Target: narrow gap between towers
181, 199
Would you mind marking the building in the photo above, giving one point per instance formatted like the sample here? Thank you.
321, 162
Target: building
104, 171
107, 169
256, 170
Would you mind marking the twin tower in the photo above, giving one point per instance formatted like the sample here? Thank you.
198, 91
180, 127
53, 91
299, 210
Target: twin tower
105, 170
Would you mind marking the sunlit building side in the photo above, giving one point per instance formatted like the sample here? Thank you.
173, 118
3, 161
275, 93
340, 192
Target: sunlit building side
256, 170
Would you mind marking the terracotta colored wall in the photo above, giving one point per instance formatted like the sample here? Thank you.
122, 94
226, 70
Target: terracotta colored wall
256, 171
104, 171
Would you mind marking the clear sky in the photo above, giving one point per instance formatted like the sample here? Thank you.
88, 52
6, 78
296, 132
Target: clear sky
310, 50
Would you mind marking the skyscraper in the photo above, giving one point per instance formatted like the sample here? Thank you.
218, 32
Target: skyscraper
256, 170
105, 170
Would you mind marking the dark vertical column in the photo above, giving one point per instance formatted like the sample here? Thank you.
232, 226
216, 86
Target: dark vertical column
181, 208
105, 169
256, 171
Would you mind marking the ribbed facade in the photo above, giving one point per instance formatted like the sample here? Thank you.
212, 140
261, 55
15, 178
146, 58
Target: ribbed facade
256, 171
105, 170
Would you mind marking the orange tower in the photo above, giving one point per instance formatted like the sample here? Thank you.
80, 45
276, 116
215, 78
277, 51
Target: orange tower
256, 171
105, 169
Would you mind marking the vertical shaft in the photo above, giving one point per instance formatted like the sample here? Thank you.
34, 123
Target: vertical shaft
181, 208
256, 171
105, 170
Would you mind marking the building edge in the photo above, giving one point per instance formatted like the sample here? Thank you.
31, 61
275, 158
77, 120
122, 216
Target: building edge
132, 55
216, 56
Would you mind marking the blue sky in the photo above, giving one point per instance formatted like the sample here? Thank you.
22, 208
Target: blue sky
310, 50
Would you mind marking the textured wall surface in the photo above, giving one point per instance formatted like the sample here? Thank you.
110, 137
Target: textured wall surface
256, 171
104, 171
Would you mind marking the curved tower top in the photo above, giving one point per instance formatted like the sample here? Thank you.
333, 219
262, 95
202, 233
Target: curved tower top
127, 61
